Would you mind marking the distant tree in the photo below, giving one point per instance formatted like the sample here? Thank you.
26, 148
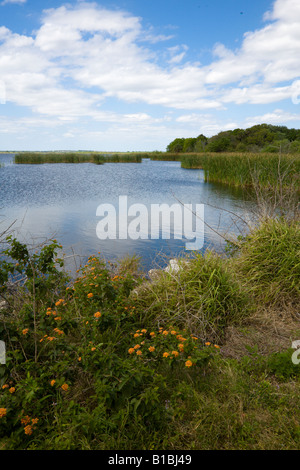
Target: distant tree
189, 144
260, 137
200, 143
176, 145
218, 143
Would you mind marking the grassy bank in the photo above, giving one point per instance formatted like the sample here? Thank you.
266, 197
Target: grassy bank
198, 359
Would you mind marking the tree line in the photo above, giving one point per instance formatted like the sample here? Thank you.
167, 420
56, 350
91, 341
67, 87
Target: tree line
258, 138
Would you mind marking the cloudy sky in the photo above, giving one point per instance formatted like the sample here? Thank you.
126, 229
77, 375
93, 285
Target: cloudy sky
135, 74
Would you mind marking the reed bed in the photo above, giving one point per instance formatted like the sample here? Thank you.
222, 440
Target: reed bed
75, 157
166, 156
57, 157
124, 158
244, 169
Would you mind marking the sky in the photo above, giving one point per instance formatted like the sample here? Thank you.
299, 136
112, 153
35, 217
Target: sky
133, 75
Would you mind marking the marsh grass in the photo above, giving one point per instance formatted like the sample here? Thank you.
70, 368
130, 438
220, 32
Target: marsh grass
245, 169
56, 157
74, 157
269, 260
124, 158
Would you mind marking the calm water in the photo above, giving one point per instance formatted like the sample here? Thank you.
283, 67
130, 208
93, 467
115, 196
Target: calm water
60, 200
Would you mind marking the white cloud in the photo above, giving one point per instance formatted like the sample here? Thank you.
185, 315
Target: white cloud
277, 117
8, 2
83, 55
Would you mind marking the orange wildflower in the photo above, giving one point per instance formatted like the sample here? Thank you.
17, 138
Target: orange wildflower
59, 332
25, 420
28, 429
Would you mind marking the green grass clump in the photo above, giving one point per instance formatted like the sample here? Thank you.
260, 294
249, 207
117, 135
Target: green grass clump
204, 295
269, 260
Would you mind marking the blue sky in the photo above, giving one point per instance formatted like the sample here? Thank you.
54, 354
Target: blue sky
135, 74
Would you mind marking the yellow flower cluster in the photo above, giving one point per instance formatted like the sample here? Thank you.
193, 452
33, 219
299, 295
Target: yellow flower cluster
28, 428
185, 345
59, 332
50, 311
164, 333
215, 345
2, 412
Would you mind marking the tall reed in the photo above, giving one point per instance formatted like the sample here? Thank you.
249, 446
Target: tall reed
74, 157
241, 169
124, 158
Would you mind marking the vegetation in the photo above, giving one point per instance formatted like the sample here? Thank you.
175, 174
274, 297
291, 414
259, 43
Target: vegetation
124, 158
246, 169
258, 138
198, 359
74, 157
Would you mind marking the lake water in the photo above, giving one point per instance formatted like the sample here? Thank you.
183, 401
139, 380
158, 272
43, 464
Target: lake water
61, 200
